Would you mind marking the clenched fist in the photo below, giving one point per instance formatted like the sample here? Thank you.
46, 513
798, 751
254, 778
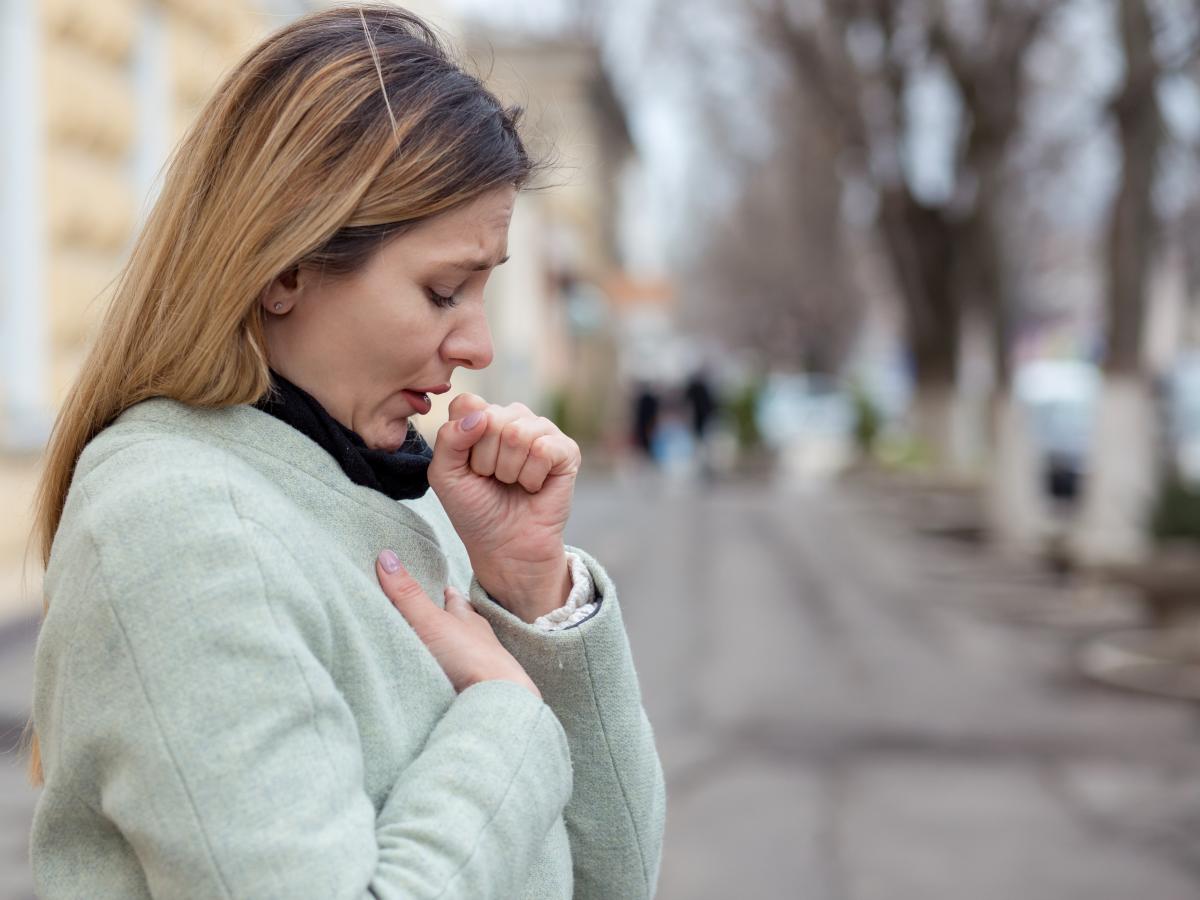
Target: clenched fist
506, 478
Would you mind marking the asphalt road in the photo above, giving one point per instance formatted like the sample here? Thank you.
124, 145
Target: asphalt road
850, 710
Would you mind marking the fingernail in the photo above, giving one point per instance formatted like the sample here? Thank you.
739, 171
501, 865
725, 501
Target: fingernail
471, 420
390, 562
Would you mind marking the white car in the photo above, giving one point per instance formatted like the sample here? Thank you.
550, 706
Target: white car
1061, 397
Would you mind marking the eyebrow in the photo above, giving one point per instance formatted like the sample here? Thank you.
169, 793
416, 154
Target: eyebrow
475, 265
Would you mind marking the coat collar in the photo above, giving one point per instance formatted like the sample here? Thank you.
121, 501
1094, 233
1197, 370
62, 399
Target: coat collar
252, 433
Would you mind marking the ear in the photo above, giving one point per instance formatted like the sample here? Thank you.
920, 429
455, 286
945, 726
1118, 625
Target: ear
283, 292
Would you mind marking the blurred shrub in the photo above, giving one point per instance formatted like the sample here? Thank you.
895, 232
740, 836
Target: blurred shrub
867, 421
743, 412
1177, 512
900, 450
577, 415
557, 409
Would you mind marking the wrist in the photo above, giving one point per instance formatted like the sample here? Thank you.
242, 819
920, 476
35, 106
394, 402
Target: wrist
532, 592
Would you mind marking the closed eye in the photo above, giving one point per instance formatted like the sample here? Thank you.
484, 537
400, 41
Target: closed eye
442, 300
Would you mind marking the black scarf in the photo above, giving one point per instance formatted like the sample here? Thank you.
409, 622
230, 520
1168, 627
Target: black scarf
402, 475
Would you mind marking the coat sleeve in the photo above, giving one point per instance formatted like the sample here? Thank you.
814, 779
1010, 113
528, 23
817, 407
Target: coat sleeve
199, 699
616, 815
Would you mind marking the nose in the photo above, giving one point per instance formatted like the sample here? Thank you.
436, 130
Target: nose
470, 343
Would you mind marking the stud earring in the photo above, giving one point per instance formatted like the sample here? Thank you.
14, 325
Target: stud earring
278, 307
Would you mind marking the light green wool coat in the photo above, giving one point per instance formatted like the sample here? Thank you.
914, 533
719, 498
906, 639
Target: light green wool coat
229, 706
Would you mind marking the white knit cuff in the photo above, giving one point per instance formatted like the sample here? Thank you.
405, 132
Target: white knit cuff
580, 602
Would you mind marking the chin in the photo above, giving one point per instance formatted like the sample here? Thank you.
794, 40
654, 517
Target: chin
390, 437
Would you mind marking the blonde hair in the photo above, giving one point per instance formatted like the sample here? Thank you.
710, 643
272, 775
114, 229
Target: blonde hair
336, 132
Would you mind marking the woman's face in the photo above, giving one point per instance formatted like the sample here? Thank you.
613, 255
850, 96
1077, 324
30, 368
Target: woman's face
404, 322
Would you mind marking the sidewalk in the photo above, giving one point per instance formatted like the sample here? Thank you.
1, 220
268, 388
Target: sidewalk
17, 797
20, 605
847, 708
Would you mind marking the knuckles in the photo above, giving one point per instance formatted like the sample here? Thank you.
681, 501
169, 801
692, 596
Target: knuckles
514, 426
529, 429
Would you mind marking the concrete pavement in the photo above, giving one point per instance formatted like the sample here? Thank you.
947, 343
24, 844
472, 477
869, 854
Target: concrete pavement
848, 710
17, 798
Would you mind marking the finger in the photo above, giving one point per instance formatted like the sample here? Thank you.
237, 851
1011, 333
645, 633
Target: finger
404, 592
486, 453
537, 465
515, 441
567, 457
465, 403
562, 453
456, 604
554, 454
452, 447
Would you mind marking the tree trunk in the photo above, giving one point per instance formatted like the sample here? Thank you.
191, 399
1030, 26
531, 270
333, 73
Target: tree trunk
920, 243
1018, 516
1016, 506
1122, 475
1190, 240
1124, 465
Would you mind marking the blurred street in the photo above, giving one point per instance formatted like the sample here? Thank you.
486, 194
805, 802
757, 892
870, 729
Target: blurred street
849, 709
16, 796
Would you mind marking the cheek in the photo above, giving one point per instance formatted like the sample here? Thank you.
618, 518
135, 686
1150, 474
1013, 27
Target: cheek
426, 346
404, 345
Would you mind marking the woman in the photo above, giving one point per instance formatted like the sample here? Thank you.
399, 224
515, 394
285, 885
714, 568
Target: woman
243, 686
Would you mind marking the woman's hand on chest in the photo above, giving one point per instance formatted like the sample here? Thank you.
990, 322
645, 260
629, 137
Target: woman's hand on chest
506, 482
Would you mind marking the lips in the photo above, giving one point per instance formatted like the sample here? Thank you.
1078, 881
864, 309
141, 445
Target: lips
420, 401
419, 397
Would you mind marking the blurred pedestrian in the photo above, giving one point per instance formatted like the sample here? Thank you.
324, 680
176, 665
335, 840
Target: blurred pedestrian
645, 418
702, 402
700, 399
248, 683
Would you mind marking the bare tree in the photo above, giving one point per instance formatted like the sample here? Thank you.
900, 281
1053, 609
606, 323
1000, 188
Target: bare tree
773, 275
862, 59
1124, 466
986, 64
1131, 231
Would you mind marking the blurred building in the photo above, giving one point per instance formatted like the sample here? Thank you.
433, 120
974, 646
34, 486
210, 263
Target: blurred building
95, 93
556, 341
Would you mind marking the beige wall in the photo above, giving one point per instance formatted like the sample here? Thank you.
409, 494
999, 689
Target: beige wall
92, 132
560, 230
571, 122
93, 135
559, 84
